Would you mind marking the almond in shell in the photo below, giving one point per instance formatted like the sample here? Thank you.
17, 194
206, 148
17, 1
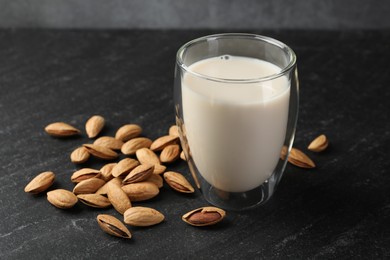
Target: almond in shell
147, 156
142, 216
61, 129
178, 182
101, 152
283, 152
113, 226
183, 156
109, 142
106, 171
118, 198
127, 132
40, 183
298, 158
170, 153
131, 146
123, 167
94, 200
156, 179
103, 190
94, 125
61, 198
84, 174
141, 191
162, 142
159, 169
79, 155
139, 173
174, 130
88, 186
319, 144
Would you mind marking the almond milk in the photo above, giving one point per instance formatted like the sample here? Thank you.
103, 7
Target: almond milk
235, 131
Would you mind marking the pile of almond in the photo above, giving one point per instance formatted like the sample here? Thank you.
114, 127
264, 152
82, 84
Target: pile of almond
118, 184
135, 178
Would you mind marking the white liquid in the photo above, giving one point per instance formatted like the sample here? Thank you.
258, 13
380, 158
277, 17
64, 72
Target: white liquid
235, 131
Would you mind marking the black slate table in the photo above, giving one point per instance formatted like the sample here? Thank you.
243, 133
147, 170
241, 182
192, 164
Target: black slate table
338, 210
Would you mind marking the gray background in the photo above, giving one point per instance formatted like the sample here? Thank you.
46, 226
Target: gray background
178, 14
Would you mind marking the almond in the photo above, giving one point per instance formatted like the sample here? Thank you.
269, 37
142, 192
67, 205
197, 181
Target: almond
124, 166
79, 155
101, 152
174, 130
94, 200
62, 199
113, 226
178, 182
84, 174
147, 156
103, 190
283, 152
118, 198
61, 129
298, 158
156, 179
170, 153
159, 169
109, 142
88, 186
40, 183
106, 171
128, 132
131, 146
142, 216
204, 216
319, 144
94, 125
183, 156
139, 173
163, 141
141, 191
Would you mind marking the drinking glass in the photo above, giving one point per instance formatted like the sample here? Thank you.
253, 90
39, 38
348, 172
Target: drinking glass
236, 131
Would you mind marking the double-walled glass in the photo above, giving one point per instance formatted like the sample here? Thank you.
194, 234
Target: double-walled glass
236, 131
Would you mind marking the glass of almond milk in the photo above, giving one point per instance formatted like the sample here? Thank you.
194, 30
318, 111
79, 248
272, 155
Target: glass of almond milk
236, 102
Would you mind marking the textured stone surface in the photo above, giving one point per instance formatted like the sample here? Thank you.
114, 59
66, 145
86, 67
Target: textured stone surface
340, 209
276, 14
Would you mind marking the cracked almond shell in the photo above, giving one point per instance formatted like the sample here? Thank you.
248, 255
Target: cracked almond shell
113, 226
205, 216
178, 182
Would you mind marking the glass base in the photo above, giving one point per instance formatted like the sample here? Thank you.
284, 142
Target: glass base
236, 201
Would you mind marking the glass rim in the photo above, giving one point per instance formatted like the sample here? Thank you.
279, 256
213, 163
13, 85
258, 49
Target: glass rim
281, 45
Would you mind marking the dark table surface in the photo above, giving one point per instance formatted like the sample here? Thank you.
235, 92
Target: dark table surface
340, 209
